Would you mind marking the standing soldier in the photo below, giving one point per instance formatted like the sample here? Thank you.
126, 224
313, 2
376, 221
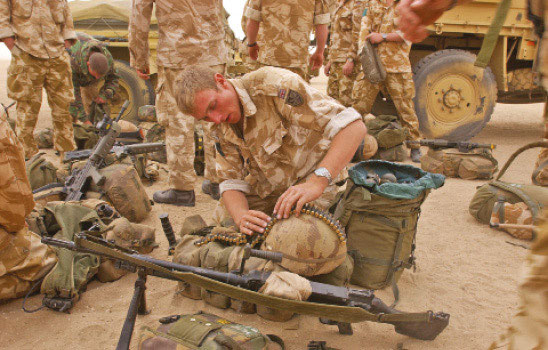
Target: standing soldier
286, 27
37, 33
379, 27
191, 32
91, 64
343, 46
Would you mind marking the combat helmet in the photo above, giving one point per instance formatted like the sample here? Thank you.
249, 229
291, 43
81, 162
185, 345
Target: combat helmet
312, 244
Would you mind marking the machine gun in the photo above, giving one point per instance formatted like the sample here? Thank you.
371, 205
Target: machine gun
340, 304
462, 146
119, 151
75, 184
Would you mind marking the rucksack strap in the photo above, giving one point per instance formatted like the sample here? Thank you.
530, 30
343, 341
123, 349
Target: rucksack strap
518, 152
531, 204
491, 37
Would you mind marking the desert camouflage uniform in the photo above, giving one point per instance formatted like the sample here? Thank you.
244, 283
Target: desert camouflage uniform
343, 45
286, 27
288, 127
85, 84
39, 60
191, 32
395, 57
244, 54
23, 259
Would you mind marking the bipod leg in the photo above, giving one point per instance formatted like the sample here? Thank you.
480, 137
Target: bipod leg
137, 306
345, 328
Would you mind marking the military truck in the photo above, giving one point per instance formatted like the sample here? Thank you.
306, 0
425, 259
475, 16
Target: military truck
454, 99
107, 21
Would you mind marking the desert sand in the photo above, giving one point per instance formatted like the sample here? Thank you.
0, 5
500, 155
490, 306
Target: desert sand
463, 268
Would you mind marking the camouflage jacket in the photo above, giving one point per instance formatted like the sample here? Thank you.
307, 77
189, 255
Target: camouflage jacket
286, 27
287, 130
382, 19
16, 200
79, 56
39, 26
190, 32
345, 30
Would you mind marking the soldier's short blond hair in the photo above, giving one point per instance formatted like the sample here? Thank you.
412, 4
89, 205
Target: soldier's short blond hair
192, 80
98, 63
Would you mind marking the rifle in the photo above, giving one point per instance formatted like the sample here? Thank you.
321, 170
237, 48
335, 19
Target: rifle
462, 146
119, 151
340, 304
75, 184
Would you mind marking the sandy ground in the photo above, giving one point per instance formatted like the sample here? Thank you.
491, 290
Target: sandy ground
464, 268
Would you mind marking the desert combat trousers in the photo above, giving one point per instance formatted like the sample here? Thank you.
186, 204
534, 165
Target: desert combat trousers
302, 72
339, 86
23, 260
401, 88
529, 327
27, 75
542, 176
179, 127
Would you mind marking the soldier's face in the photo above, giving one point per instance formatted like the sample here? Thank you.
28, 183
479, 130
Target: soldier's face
218, 106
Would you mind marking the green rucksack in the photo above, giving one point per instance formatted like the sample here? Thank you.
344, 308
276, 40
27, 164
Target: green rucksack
381, 219
85, 136
205, 332
390, 136
535, 197
41, 172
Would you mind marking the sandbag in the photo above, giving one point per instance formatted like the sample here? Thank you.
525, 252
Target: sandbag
126, 192
204, 331
476, 164
381, 219
390, 136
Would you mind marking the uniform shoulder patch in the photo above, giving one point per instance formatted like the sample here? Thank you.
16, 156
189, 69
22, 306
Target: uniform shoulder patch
294, 98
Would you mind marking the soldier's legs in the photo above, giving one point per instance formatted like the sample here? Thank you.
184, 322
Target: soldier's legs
346, 84
23, 260
24, 82
58, 85
401, 88
333, 81
302, 72
529, 327
364, 94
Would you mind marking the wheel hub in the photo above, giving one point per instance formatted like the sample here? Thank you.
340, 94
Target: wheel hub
452, 98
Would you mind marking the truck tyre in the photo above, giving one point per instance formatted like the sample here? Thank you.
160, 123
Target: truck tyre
139, 92
454, 99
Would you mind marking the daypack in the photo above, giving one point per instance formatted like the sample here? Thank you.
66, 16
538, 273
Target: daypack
381, 219
207, 332
489, 199
476, 164
41, 171
390, 136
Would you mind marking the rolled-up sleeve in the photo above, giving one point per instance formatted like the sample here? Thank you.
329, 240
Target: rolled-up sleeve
357, 13
68, 26
321, 13
253, 10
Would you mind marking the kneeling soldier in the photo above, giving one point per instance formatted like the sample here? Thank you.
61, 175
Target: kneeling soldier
91, 64
281, 143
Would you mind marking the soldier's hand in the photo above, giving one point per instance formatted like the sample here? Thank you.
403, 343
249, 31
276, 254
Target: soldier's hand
348, 67
143, 74
327, 68
297, 196
415, 15
69, 43
374, 38
100, 101
10, 42
316, 60
253, 51
253, 221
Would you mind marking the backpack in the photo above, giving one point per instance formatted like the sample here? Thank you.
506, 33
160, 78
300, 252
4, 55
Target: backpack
207, 332
381, 219
41, 171
85, 136
390, 136
490, 198
476, 164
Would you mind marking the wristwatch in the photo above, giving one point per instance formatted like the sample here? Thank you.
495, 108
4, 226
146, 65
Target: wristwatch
384, 36
323, 172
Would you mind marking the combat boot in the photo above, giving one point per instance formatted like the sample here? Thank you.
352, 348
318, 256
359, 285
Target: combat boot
416, 155
211, 188
175, 197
